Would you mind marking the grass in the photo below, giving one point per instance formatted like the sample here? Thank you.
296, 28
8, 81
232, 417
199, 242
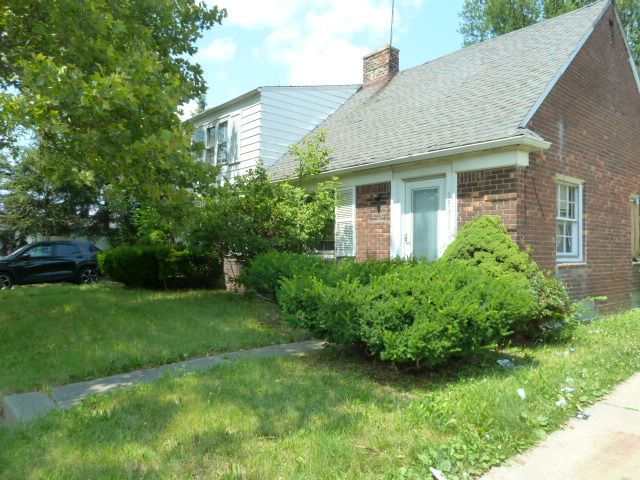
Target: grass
52, 335
329, 416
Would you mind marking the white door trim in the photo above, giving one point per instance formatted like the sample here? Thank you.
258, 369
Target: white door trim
407, 217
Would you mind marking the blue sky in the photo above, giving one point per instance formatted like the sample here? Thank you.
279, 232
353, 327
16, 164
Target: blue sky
307, 42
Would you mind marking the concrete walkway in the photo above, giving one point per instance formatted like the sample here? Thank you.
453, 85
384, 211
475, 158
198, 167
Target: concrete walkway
604, 447
23, 407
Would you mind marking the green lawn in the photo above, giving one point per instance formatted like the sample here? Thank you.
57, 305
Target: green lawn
56, 334
329, 416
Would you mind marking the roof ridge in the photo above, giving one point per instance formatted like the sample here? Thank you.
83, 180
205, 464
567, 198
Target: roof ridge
511, 33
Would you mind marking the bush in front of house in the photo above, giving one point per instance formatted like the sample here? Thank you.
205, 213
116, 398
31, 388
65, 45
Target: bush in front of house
419, 313
265, 273
485, 243
159, 266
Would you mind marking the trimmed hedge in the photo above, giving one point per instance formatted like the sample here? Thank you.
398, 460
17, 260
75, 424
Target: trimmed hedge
157, 267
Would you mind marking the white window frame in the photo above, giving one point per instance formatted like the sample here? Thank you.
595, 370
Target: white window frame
215, 145
578, 255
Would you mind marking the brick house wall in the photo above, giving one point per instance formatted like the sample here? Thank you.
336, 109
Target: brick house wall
496, 191
592, 118
373, 221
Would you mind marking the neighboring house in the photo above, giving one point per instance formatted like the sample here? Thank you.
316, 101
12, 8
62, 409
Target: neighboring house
261, 124
540, 126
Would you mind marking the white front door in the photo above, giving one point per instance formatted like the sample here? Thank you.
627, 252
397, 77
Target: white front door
424, 210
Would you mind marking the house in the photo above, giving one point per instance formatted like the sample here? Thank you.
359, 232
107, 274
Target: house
263, 123
540, 126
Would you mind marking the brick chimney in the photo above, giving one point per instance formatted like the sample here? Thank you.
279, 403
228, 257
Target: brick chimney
380, 66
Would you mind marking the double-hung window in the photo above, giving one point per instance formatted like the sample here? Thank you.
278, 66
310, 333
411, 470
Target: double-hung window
569, 221
217, 143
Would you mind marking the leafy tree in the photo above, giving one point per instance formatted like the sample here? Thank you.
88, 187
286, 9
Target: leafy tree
253, 214
97, 85
483, 19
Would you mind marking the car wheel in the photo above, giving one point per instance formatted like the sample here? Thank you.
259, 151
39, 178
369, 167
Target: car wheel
88, 276
6, 282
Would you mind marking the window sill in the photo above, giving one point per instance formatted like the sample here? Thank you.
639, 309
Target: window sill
570, 264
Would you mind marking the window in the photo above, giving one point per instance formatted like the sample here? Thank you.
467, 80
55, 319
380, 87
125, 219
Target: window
217, 143
66, 250
40, 251
569, 221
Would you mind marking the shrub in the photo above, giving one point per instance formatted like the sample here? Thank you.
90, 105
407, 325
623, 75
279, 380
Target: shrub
266, 272
485, 243
415, 313
159, 266
329, 312
427, 313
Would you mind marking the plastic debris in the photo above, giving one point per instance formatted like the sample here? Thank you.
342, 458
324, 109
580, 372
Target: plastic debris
561, 403
522, 394
568, 380
437, 474
505, 363
568, 390
583, 416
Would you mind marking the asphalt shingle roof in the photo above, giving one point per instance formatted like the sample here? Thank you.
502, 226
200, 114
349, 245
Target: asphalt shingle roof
477, 94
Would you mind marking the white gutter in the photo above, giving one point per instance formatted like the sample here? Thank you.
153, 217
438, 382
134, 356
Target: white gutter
525, 141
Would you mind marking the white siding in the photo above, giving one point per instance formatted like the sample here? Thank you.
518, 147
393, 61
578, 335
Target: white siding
289, 113
267, 122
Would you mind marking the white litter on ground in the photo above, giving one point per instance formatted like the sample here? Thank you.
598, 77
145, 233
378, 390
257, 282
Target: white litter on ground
561, 403
437, 474
522, 394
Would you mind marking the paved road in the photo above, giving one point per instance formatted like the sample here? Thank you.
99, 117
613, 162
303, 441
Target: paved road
604, 447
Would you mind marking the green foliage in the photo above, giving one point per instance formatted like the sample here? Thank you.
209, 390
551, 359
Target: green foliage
160, 266
409, 312
428, 313
485, 243
253, 214
264, 273
483, 19
94, 87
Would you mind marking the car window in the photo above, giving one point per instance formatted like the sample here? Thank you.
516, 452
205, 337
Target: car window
40, 251
65, 250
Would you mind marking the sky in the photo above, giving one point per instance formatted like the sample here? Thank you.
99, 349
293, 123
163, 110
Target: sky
316, 42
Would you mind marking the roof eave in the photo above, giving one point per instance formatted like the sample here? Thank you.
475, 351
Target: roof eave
529, 142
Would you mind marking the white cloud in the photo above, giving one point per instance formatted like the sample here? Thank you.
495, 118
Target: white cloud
221, 50
318, 41
187, 110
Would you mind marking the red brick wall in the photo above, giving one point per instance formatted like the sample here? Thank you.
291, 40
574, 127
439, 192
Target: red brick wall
491, 192
592, 118
373, 221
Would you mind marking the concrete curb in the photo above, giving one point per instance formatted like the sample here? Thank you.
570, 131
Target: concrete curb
24, 407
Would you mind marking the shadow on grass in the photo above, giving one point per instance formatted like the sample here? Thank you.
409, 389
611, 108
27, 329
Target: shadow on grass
224, 414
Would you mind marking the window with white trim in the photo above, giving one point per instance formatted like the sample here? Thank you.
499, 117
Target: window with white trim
635, 228
345, 230
217, 143
569, 221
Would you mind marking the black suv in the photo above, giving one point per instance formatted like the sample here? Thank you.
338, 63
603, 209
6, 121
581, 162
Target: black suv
56, 261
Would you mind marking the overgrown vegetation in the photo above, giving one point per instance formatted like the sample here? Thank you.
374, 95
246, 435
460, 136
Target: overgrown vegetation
329, 416
254, 215
482, 292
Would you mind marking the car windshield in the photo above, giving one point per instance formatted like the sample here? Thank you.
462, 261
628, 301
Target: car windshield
18, 252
